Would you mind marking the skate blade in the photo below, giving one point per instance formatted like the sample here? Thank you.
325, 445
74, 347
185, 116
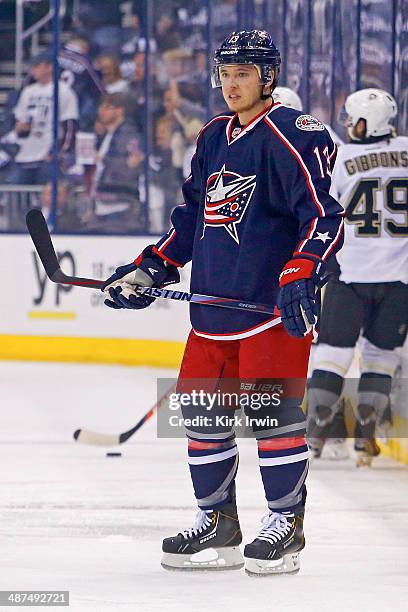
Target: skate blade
313, 456
212, 559
288, 564
336, 451
364, 460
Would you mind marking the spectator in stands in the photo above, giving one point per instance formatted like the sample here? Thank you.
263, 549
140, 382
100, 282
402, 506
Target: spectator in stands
8, 150
164, 176
8, 118
177, 63
132, 36
137, 91
167, 34
78, 72
224, 18
111, 75
101, 21
118, 170
193, 85
178, 112
191, 130
33, 126
137, 84
67, 218
178, 108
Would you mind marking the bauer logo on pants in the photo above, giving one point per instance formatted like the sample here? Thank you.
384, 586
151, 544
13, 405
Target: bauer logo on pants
227, 197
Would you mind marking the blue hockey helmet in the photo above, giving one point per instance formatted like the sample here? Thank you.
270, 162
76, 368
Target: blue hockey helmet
249, 47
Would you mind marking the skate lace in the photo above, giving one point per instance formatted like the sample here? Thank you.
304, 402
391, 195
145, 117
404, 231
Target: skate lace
276, 527
202, 521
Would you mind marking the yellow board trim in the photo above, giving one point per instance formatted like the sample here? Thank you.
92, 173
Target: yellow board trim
155, 353
397, 448
49, 314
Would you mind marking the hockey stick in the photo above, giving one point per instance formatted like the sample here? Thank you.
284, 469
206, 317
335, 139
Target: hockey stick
40, 235
85, 436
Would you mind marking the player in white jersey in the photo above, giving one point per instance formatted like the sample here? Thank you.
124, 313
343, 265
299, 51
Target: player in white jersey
290, 98
33, 114
370, 294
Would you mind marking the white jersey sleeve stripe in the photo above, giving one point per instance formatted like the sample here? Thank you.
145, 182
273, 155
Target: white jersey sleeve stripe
170, 237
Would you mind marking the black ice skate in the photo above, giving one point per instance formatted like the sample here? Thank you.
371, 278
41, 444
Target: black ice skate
334, 448
315, 446
366, 449
276, 548
211, 544
365, 444
329, 432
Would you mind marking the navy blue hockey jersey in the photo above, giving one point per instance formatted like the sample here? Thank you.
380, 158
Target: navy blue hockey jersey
251, 202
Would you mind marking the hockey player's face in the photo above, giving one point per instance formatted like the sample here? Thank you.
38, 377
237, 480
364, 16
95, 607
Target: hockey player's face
240, 87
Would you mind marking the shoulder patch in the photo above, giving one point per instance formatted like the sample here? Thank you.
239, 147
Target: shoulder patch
308, 123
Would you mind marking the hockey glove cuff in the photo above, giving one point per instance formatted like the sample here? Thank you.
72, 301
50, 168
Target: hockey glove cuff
299, 297
148, 270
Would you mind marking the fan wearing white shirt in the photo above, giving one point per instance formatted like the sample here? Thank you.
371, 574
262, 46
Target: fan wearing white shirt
33, 114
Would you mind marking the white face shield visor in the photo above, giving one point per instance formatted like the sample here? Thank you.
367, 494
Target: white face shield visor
266, 72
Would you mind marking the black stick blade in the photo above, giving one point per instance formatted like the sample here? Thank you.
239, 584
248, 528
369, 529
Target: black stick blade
37, 226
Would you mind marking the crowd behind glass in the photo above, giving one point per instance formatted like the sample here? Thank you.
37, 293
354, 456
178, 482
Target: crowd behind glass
125, 140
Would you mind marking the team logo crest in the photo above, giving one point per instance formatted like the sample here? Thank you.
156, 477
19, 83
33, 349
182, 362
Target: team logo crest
227, 197
308, 123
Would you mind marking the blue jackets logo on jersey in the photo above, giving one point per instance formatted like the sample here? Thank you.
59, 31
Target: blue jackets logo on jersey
227, 197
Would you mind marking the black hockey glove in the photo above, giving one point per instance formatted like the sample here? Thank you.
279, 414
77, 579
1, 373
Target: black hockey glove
299, 297
148, 270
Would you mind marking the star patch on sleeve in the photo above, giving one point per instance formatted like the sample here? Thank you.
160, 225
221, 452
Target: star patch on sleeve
324, 237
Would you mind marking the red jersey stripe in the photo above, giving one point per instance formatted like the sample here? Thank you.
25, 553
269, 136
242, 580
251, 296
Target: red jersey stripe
273, 444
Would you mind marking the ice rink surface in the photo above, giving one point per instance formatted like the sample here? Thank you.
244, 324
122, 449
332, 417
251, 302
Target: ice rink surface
72, 519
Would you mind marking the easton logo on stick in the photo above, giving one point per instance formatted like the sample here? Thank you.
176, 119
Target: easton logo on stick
183, 296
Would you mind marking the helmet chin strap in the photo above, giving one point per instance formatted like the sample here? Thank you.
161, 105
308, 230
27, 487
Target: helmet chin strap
264, 96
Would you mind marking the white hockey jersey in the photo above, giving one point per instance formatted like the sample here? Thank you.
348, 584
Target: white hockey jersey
371, 183
335, 137
35, 107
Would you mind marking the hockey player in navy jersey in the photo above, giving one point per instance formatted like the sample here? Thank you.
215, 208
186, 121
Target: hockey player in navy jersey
257, 223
